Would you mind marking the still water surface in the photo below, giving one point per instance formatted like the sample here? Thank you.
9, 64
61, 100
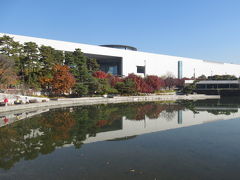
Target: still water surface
183, 140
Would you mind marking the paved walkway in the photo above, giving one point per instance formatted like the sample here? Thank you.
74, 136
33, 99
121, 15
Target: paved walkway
67, 102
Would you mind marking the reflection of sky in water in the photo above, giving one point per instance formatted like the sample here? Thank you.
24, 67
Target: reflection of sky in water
183, 152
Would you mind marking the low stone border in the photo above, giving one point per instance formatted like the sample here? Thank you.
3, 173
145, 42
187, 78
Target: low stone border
101, 100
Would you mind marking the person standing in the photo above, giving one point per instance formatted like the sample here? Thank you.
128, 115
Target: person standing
6, 101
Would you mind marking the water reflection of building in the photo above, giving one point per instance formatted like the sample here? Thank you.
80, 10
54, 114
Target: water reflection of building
184, 118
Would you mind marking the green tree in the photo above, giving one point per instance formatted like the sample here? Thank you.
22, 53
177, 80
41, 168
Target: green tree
189, 89
92, 65
80, 89
105, 87
126, 87
50, 57
12, 49
31, 64
84, 79
68, 59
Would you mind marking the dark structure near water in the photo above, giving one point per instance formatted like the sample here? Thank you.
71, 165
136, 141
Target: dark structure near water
219, 87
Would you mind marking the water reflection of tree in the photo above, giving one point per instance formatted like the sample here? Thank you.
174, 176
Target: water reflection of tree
206, 105
224, 112
170, 111
42, 134
168, 115
151, 110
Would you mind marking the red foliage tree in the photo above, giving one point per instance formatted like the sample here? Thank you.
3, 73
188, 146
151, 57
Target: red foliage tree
140, 84
62, 80
114, 79
100, 75
179, 82
155, 82
169, 82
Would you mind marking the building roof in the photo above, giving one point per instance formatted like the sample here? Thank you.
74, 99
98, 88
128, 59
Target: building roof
118, 46
219, 82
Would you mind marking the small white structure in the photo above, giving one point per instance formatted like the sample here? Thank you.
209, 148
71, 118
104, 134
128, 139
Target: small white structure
122, 60
187, 82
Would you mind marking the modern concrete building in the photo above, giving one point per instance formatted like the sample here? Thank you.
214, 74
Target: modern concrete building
122, 60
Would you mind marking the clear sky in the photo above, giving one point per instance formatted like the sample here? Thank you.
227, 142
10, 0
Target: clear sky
203, 29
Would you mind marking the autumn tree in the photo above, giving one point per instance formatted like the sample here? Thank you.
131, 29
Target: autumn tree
62, 80
155, 82
114, 79
169, 80
46, 83
7, 72
100, 75
140, 84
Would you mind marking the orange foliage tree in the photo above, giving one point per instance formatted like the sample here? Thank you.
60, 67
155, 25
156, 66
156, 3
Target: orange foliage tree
7, 72
45, 83
62, 80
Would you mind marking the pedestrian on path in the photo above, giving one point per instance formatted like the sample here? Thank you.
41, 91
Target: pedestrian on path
6, 101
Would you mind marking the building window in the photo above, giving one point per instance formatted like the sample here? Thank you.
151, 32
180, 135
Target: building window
201, 86
140, 69
223, 85
234, 85
212, 86
108, 68
112, 70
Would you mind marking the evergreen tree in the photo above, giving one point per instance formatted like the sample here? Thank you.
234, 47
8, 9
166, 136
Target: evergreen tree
92, 65
12, 49
49, 57
68, 59
31, 64
85, 81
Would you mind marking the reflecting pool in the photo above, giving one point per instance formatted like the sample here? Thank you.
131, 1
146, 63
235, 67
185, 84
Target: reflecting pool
153, 140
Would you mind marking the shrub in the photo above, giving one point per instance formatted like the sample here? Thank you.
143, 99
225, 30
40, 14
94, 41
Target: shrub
155, 82
80, 89
189, 89
114, 79
126, 87
93, 86
140, 84
112, 91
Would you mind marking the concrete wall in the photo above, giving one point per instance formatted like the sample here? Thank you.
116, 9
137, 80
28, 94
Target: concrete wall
156, 64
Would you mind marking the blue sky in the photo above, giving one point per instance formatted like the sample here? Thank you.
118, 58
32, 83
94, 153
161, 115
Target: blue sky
204, 29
